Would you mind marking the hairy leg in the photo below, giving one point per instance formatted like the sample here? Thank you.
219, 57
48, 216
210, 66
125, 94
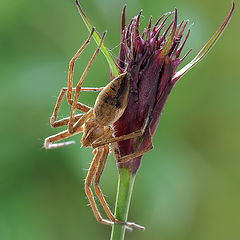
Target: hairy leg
91, 172
78, 87
71, 67
112, 139
80, 106
50, 141
98, 191
102, 162
65, 121
136, 154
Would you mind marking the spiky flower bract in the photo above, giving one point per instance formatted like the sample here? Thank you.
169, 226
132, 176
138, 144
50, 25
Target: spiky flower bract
152, 59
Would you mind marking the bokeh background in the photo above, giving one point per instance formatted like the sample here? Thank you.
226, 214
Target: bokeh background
187, 187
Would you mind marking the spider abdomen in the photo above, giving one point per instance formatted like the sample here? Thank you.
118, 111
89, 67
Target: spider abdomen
112, 101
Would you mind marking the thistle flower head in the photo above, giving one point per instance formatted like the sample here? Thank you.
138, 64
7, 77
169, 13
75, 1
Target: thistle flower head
151, 58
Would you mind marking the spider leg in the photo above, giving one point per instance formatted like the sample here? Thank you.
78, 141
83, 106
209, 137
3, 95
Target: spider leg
71, 67
98, 191
112, 139
78, 87
102, 162
50, 141
70, 89
82, 120
80, 106
65, 121
130, 156
91, 172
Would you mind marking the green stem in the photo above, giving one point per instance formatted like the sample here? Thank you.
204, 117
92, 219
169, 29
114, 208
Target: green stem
125, 186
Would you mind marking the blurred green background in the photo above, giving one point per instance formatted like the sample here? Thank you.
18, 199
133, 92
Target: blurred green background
187, 187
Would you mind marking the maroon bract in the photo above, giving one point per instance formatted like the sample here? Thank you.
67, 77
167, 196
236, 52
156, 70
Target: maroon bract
152, 60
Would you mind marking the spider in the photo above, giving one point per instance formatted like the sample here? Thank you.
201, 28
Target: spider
96, 125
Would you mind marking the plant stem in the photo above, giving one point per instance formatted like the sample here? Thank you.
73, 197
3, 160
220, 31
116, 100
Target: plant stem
125, 186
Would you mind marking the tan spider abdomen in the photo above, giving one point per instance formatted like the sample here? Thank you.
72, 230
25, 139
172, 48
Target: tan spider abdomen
112, 101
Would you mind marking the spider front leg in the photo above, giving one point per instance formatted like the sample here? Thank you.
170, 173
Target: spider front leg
78, 87
71, 67
54, 123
